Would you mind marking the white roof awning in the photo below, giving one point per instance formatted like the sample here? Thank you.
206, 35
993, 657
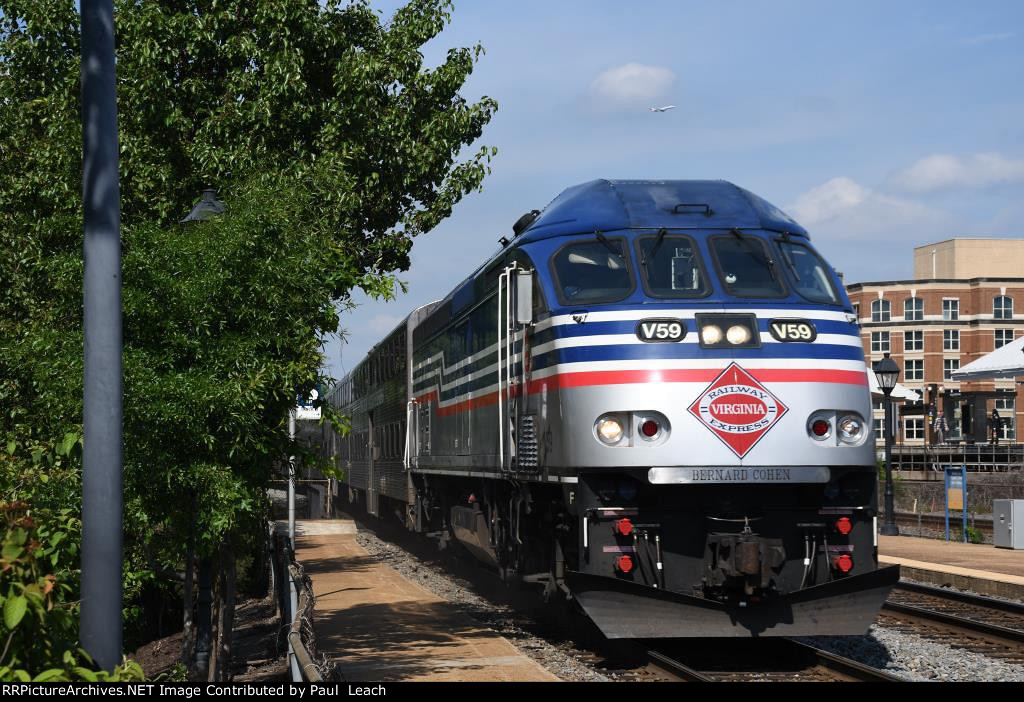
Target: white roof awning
900, 392
1005, 362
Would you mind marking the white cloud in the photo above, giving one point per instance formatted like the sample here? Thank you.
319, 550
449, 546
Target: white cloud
631, 84
827, 201
843, 208
866, 233
940, 171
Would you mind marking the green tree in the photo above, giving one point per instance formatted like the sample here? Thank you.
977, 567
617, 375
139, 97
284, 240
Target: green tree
332, 142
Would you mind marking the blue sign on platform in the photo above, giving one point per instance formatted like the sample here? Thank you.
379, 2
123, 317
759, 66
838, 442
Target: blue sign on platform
956, 496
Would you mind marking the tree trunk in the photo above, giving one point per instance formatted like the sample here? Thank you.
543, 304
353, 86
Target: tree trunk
187, 593
203, 621
227, 609
218, 586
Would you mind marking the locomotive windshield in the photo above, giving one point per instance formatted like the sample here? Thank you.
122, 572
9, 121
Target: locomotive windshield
593, 271
670, 266
746, 267
808, 272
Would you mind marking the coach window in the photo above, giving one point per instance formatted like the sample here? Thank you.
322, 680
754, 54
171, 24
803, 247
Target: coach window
808, 272
745, 266
592, 271
670, 266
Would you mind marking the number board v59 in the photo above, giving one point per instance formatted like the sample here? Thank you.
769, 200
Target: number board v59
793, 330
663, 329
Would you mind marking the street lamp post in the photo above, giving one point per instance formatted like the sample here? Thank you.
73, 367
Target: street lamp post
102, 502
887, 373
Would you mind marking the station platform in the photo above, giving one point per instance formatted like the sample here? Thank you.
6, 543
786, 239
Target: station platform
377, 626
982, 568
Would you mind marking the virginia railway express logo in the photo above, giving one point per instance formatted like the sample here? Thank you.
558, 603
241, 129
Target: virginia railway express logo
738, 409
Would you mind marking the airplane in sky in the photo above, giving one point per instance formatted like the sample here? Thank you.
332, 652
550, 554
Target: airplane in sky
663, 108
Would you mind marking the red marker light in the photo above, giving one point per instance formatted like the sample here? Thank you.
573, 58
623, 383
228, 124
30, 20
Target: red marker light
624, 526
649, 428
624, 564
843, 563
820, 427
844, 526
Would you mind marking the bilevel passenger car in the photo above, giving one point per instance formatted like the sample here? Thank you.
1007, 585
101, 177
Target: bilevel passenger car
652, 399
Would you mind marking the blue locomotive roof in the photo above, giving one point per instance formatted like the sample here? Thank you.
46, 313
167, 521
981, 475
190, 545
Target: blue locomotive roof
609, 205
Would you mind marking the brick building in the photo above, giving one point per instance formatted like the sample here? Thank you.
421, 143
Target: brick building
965, 300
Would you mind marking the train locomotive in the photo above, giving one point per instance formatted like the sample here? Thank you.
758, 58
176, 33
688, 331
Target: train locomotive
652, 400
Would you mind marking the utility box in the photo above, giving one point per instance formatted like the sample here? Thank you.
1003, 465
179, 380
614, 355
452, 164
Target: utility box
1008, 523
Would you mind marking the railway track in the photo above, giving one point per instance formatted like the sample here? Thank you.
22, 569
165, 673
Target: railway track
780, 660
994, 628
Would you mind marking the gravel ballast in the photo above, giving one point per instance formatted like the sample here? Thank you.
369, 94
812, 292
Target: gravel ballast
918, 658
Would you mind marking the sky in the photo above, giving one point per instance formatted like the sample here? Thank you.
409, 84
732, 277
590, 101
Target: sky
878, 126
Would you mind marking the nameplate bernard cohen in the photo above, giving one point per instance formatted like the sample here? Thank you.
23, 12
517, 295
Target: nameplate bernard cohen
697, 475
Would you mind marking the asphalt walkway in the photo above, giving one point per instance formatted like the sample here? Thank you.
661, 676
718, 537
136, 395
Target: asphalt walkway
378, 626
980, 567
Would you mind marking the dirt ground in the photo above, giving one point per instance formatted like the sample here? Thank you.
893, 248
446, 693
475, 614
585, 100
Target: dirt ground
255, 658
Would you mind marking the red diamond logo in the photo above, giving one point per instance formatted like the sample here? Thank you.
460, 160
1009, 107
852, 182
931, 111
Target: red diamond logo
737, 409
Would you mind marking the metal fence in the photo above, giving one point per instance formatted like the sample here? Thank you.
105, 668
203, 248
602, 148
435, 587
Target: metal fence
977, 457
294, 590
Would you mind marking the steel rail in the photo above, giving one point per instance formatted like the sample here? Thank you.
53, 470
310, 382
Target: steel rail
677, 668
845, 669
961, 625
969, 598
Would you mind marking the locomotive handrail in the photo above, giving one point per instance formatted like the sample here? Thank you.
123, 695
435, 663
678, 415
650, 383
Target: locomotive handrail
410, 415
504, 353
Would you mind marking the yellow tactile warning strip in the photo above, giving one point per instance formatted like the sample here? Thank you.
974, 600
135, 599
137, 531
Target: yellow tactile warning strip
379, 627
972, 560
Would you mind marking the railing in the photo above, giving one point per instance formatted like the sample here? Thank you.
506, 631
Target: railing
977, 457
302, 665
296, 606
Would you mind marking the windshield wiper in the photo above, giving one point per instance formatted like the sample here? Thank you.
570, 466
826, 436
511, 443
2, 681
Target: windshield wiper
757, 252
608, 245
789, 263
657, 244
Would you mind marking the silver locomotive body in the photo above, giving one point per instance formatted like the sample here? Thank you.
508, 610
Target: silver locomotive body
657, 408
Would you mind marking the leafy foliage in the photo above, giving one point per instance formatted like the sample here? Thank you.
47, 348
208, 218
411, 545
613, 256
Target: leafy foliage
39, 571
333, 145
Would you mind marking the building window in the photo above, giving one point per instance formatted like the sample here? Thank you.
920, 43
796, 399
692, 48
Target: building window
913, 341
879, 428
880, 311
1002, 307
913, 369
913, 428
950, 339
951, 310
913, 309
1003, 337
948, 366
1007, 409
880, 342
856, 310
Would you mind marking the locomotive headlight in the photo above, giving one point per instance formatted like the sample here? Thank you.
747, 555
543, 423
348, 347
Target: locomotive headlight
850, 429
609, 430
738, 334
711, 334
